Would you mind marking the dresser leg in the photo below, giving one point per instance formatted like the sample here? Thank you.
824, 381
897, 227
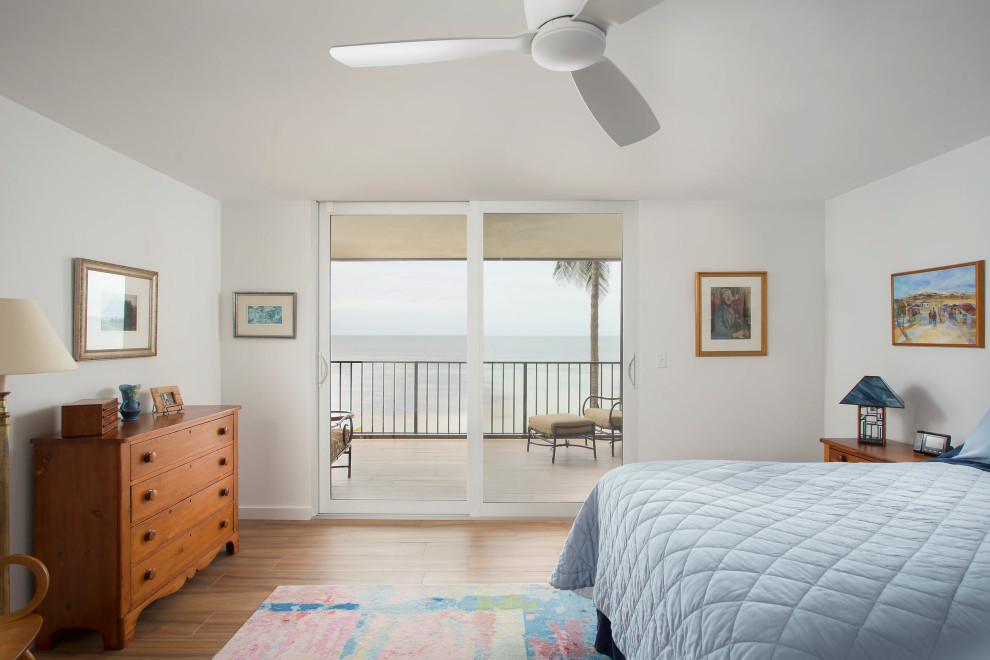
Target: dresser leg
43, 642
234, 544
123, 634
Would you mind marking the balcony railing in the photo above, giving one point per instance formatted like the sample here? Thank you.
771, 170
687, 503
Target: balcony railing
400, 399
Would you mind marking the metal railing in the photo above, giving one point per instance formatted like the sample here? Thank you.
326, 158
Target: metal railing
401, 399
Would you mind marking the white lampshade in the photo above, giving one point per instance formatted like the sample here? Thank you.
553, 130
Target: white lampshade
28, 342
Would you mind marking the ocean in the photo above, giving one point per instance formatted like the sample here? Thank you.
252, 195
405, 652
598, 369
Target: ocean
409, 385
427, 348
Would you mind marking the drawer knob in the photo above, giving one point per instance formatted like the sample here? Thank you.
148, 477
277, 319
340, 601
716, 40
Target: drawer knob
841, 458
150, 535
151, 494
224, 492
224, 523
150, 457
224, 461
223, 430
150, 574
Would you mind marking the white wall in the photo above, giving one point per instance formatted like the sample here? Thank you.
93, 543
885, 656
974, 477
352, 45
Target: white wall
272, 247
64, 196
751, 408
934, 214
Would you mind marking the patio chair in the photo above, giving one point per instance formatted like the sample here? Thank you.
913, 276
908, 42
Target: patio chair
608, 421
550, 430
341, 434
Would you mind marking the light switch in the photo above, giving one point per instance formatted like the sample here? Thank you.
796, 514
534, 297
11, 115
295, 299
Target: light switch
661, 360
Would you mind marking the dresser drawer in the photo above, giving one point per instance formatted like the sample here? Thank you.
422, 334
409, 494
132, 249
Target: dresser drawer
158, 530
156, 570
165, 451
158, 493
837, 456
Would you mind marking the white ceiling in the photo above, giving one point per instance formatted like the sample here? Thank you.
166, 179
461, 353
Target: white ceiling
762, 100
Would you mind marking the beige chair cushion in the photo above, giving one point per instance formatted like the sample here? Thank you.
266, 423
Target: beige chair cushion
337, 443
563, 425
600, 416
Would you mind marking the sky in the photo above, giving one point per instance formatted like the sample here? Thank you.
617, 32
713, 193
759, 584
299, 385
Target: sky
962, 279
430, 298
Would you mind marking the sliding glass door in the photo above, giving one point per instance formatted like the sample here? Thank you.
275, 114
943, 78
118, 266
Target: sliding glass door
552, 310
444, 329
397, 346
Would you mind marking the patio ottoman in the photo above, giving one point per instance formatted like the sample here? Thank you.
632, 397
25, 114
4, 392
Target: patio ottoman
548, 430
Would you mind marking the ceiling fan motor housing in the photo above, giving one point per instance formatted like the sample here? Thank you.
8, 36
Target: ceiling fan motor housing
539, 12
566, 45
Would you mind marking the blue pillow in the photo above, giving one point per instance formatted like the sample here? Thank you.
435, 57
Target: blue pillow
977, 445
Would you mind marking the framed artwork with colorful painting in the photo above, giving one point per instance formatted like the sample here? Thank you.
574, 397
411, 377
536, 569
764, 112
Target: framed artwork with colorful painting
730, 314
938, 306
270, 315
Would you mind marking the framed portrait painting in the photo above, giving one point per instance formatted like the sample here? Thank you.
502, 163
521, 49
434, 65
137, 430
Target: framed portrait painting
938, 306
730, 314
271, 315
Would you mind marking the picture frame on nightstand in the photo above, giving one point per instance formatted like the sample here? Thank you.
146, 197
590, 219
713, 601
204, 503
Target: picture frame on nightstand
931, 444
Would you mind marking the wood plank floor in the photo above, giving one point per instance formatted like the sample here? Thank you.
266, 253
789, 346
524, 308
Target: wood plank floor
198, 620
435, 469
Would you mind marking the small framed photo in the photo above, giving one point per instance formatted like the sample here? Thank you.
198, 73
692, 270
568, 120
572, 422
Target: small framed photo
271, 315
166, 399
730, 314
938, 306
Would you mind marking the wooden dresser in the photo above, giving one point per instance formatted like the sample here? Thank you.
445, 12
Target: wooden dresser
851, 450
125, 518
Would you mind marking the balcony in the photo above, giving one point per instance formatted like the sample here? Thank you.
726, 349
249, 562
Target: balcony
410, 420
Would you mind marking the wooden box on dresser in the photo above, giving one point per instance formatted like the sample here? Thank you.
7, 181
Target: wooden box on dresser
125, 518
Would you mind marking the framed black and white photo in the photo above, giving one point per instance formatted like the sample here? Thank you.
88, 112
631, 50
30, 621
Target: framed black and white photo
268, 315
115, 311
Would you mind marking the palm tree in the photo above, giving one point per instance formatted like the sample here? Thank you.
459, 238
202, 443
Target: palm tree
591, 275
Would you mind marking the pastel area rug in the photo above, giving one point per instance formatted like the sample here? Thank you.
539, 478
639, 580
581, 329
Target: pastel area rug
417, 621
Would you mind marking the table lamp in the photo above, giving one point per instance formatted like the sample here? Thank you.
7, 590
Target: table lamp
28, 345
873, 396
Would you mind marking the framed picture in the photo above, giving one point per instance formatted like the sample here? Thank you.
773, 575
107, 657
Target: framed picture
115, 311
938, 306
730, 314
166, 399
271, 315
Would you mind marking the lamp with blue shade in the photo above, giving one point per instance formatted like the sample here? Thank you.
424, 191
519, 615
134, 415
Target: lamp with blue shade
873, 396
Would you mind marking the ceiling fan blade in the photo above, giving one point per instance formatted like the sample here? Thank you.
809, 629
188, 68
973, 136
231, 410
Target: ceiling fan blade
616, 104
429, 50
613, 12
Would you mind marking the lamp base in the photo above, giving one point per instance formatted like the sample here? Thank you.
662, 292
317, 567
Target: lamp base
872, 425
4, 500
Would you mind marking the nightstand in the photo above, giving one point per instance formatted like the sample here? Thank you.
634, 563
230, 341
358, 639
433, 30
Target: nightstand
851, 450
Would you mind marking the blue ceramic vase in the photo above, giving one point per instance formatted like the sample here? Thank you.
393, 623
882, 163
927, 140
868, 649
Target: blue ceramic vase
130, 407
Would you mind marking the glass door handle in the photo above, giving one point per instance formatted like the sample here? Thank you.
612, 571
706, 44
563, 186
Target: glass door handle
631, 371
324, 369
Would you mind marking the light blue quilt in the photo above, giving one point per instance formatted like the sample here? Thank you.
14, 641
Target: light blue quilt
726, 559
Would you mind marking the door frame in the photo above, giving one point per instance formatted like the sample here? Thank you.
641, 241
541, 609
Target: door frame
474, 505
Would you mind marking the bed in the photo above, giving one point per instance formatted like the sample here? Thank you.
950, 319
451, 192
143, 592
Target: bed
728, 559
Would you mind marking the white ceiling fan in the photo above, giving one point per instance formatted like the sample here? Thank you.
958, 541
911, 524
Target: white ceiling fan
564, 35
